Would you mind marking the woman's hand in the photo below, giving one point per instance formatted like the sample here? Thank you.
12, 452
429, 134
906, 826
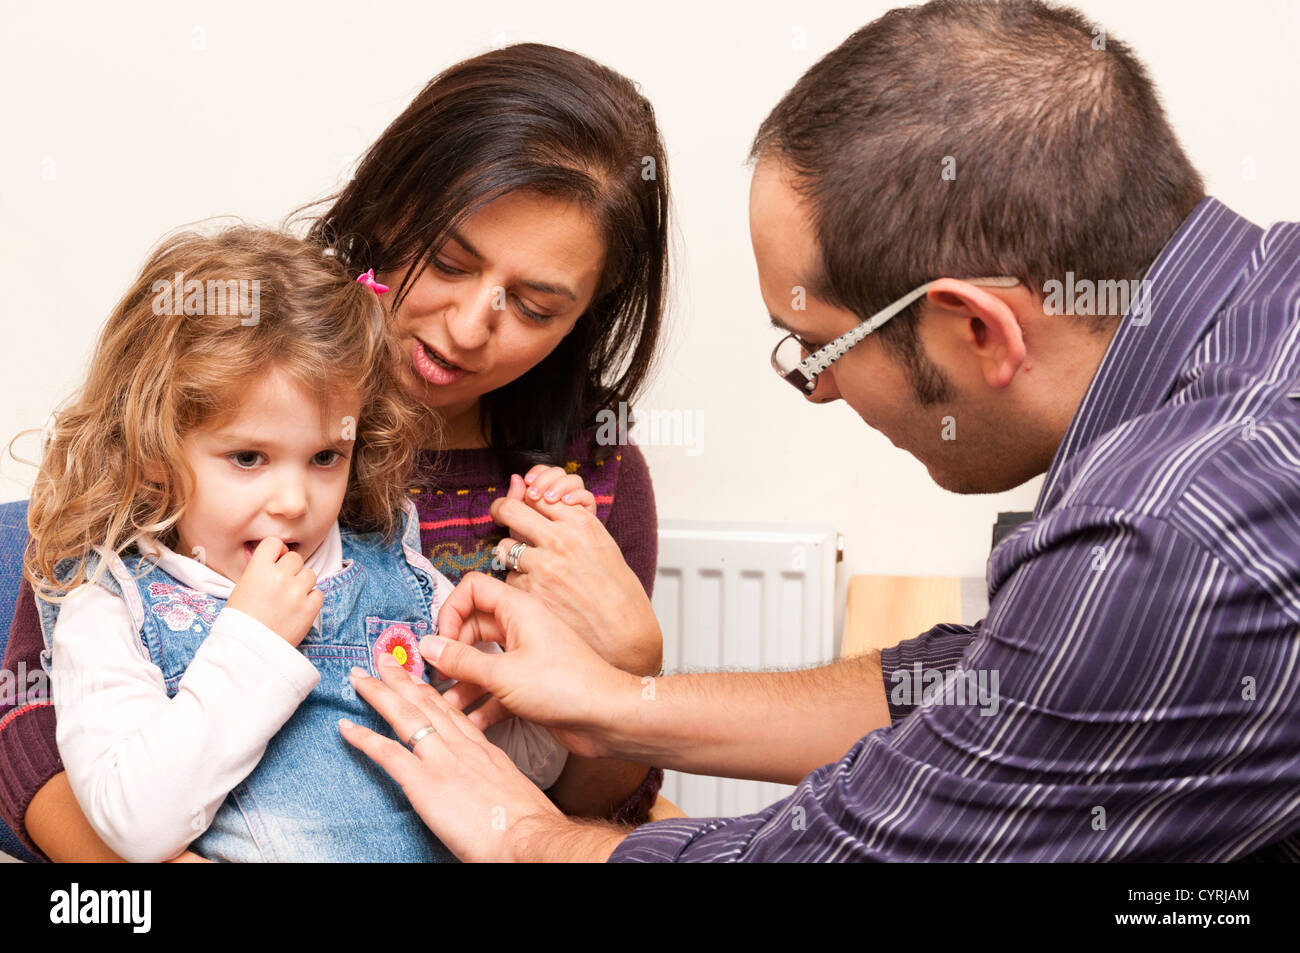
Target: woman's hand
575, 568
466, 789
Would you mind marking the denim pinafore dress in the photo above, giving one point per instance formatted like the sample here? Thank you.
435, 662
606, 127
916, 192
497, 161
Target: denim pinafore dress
312, 797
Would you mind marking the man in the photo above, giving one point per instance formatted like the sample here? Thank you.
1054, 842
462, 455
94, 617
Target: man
976, 223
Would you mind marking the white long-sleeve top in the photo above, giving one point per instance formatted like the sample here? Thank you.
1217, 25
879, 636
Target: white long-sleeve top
151, 771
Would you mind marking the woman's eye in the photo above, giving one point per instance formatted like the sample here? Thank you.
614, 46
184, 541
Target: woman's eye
445, 268
530, 314
331, 457
240, 458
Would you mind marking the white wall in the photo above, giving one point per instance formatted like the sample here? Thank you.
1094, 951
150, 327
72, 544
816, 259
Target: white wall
118, 128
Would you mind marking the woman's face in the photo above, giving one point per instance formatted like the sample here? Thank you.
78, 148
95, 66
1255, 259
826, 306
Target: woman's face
500, 294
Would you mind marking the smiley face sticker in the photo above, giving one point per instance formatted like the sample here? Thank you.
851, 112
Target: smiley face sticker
398, 641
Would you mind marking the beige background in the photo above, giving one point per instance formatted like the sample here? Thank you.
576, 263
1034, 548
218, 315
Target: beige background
119, 127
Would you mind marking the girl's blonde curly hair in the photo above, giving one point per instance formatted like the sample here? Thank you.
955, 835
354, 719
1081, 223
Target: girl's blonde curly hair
156, 377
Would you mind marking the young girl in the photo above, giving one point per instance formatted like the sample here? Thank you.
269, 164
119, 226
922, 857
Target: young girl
221, 531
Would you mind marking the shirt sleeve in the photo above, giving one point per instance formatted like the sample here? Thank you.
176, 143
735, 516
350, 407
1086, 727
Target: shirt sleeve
1130, 697
150, 771
29, 751
938, 650
532, 748
633, 521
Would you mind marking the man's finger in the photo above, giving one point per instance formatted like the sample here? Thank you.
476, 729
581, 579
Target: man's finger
436, 708
460, 660
393, 756
490, 713
464, 694
399, 701
416, 775
467, 728
477, 593
481, 627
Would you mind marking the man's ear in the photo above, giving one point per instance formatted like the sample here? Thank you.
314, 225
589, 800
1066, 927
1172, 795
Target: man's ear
989, 327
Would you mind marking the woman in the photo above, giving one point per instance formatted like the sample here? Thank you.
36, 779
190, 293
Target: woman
510, 209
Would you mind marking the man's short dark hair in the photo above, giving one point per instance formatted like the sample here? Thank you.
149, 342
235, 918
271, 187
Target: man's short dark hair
1059, 156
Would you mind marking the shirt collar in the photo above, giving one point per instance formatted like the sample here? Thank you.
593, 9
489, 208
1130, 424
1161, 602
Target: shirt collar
1185, 288
326, 561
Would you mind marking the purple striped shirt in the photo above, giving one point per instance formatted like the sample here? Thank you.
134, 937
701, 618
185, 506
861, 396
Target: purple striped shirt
1141, 653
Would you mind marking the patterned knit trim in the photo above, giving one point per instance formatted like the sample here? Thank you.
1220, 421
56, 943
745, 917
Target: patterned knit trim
417, 490
18, 711
460, 521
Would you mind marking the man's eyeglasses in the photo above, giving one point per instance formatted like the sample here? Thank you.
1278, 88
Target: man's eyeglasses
795, 360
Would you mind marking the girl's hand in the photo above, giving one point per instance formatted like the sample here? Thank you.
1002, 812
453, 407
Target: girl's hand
278, 591
576, 569
556, 485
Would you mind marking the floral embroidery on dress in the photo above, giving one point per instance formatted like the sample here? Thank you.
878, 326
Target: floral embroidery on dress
401, 643
179, 607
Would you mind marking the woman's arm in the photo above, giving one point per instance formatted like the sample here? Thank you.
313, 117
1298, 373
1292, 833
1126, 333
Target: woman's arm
633, 519
37, 802
56, 822
605, 788
29, 753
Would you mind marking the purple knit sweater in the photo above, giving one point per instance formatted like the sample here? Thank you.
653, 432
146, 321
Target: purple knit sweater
457, 534
457, 529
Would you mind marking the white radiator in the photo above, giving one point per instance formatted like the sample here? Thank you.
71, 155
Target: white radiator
742, 596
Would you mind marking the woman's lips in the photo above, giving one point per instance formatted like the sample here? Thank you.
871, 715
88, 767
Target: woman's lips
429, 369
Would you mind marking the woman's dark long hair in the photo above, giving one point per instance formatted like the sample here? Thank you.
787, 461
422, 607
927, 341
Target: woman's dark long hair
549, 121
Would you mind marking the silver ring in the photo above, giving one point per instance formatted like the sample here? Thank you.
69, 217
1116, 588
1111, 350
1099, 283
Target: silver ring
427, 729
516, 551
512, 557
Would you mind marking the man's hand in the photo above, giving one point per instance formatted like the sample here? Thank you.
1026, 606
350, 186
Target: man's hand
548, 673
278, 591
768, 726
466, 789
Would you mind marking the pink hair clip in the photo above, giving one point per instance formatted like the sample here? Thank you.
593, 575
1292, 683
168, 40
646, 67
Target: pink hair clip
367, 278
